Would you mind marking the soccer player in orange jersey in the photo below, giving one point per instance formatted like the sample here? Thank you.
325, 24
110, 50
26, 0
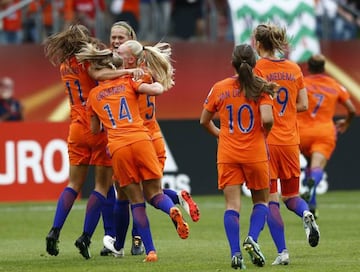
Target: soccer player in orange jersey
84, 147
318, 132
244, 104
115, 103
283, 140
117, 209
120, 33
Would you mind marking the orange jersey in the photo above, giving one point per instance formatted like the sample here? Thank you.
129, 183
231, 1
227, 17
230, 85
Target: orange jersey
13, 22
317, 128
241, 137
290, 79
116, 104
132, 6
49, 7
72, 8
147, 112
78, 84
83, 146
324, 93
147, 107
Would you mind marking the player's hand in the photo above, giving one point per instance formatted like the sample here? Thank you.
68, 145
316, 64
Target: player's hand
137, 73
341, 125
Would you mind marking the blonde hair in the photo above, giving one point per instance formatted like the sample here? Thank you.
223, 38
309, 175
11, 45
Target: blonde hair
99, 58
157, 60
130, 31
272, 37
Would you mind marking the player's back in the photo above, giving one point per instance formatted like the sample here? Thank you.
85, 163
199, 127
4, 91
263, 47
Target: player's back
116, 104
77, 84
241, 137
324, 93
147, 108
289, 77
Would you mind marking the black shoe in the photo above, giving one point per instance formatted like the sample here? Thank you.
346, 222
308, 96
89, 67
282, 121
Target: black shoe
105, 252
83, 244
137, 247
52, 241
237, 261
306, 196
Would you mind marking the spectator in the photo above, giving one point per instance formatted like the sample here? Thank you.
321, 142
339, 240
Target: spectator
154, 19
223, 21
325, 12
188, 19
44, 18
10, 108
347, 23
32, 23
89, 13
53, 15
12, 24
126, 10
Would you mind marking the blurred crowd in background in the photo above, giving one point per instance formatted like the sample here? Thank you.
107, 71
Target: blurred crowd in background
337, 19
31, 21
153, 20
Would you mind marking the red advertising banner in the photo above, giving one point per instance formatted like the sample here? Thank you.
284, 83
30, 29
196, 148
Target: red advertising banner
33, 160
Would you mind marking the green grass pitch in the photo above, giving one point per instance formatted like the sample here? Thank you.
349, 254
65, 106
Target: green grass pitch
23, 227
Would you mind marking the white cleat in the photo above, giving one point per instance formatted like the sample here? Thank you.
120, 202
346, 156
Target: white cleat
282, 258
311, 229
109, 244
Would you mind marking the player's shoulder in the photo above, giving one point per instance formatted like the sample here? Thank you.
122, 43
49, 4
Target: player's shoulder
226, 82
96, 90
293, 65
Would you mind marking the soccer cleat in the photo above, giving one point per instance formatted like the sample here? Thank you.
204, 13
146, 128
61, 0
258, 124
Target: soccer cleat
83, 244
311, 229
137, 247
105, 252
52, 241
189, 205
254, 251
182, 227
151, 257
282, 258
109, 243
237, 261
